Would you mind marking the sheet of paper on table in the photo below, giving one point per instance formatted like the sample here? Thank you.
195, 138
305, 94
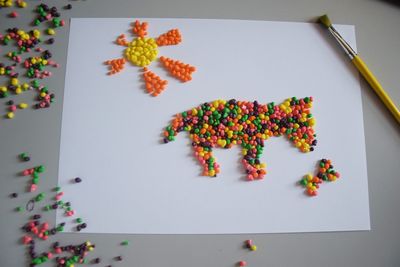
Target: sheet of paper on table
132, 183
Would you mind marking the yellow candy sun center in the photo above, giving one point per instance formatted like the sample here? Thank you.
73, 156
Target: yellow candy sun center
142, 51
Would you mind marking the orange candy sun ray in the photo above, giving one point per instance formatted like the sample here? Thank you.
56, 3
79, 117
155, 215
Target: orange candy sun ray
116, 65
140, 29
172, 37
121, 40
154, 84
178, 69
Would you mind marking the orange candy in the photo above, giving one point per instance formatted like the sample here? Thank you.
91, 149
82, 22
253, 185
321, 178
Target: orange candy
121, 40
172, 37
116, 65
140, 29
154, 84
179, 70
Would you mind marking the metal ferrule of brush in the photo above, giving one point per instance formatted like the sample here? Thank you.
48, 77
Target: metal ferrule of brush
346, 47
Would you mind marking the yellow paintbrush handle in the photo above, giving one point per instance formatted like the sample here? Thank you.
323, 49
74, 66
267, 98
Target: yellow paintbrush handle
362, 67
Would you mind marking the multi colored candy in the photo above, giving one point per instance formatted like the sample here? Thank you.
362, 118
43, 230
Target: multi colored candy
142, 51
35, 66
224, 123
24, 40
325, 173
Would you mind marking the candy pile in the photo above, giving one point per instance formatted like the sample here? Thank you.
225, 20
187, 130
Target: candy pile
35, 66
227, 123
24, 40
325, 173
142, 51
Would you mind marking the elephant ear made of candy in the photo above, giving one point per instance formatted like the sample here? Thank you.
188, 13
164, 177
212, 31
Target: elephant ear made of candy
222, 123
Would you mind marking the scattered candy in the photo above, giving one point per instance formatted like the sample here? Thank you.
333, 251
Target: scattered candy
77, 180
142, 51
250, 245
35, 66
13, 14
10, 115
50, 31
24, 40
226, 123
21, 4
45, 13
6, 3
14, 195
24, 157
125, 243
325, 173
242, 263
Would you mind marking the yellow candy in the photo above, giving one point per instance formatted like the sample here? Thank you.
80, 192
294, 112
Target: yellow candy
10, 115
14, 81
25, 86
18, 90
23, 105
22, 4
36, 33
51, 31
42, 94
3, 89
253, 248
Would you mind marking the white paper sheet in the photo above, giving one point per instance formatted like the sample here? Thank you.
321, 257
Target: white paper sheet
132, 183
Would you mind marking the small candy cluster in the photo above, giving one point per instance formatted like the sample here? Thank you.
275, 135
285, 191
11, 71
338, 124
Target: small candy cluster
154, 84
46, 13
25, 41
172, 37
179, 70
227, 123
12, 108
325, 173
7, 71
41, 230
116, 65
45, 98
250, 245
9, 3
35, 174
35, 66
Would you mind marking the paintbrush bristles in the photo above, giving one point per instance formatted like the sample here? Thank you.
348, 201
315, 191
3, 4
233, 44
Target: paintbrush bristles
325, 21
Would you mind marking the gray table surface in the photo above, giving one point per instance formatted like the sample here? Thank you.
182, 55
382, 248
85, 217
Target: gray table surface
38, 132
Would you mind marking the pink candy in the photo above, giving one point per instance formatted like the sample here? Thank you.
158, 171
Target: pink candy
32, 188
26, 239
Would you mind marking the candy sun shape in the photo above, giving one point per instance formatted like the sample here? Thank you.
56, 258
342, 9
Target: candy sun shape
142, 51
226, 123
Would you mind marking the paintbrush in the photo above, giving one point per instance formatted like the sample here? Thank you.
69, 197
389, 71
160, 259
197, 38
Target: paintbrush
362, 68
